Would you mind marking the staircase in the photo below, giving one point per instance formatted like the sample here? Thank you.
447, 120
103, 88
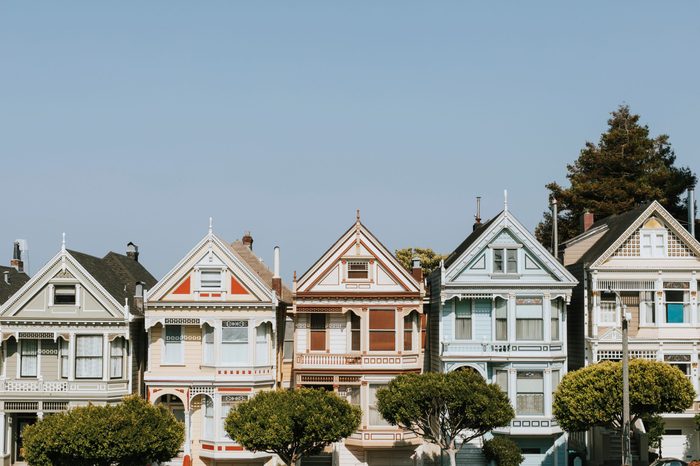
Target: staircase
471, 455
613, 449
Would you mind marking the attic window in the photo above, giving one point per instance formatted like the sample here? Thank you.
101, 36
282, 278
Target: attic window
210, 279
64, 294
505, 260
358, 269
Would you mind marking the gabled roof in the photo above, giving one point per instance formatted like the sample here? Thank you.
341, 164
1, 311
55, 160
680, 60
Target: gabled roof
259, 267
17, 279
464, 245
116, 273
621, 226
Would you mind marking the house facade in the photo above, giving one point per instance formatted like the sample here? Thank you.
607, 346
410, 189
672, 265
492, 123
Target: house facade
356, 315
213, 336
645, 260
498, 307
71, 335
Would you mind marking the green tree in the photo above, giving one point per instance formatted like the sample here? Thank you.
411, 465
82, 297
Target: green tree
429, 259
503, 451
292, 423
592, 396
132, 433
654, 426
442, 407
627, 167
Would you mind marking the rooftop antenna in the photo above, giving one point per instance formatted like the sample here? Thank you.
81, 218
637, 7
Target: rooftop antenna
477, 217
505, 200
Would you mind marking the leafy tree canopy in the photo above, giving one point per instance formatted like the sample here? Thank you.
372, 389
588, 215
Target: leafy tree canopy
133, 433
503, 451
592, 396
440, 407
292, 423
627, 167
429, 259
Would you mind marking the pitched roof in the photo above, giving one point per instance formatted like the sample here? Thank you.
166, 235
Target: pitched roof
117, 273
258, 266
473, 236
17, 279
615, 225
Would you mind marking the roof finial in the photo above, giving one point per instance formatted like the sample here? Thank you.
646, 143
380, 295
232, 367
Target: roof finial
211, 224
505, 200
358, 215
63, 242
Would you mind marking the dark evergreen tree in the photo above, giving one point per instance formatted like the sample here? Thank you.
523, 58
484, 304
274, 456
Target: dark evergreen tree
627, 167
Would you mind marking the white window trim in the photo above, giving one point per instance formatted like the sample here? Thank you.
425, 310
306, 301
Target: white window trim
224, 279
661, 304
182, 348
38, 360
652, 232
503, 247
454, 321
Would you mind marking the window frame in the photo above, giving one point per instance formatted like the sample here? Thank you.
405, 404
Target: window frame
372, 407
64, 358
355, 332
91, 357
348, 265
288, 342
470, 305
541, 372
211, 270
21, 350
509, 254
653, 234
181, 344
319, 331
208, 333
121, 357
240, 324
382, 330
60, 286
541, 319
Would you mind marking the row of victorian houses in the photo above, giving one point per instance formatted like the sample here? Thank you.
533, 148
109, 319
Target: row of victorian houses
221, 326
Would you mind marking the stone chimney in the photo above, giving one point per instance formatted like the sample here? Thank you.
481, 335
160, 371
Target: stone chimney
247, 240
16, 260
416, 269
132, 251
587, 221
276, 280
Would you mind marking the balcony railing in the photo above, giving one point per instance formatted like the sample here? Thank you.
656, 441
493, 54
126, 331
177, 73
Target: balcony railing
329, 360
456, 348
61, 386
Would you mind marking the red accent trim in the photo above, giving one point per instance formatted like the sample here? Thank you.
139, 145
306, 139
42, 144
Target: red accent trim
216, 295
204, 295
234, 448
206, 446
236, 287
184, 287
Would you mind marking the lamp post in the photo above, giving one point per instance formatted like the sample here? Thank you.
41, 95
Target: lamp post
626, 447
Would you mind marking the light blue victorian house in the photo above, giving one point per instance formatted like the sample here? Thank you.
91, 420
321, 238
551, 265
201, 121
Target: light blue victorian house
498, 307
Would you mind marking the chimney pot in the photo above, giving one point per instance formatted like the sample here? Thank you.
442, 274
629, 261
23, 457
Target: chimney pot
132, 251
417, 270
16, 262
247, 240
587, 221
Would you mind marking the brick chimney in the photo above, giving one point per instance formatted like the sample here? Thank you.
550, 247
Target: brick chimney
276, 280
247, 240
417, 270
132, 251
587, 221
16, 260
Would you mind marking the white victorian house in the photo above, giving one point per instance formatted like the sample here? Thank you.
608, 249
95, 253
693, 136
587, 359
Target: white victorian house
71, 335
498, 307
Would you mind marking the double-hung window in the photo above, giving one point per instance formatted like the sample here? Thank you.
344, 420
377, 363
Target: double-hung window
648, 306
375, 417
208, 430
262, 353
63, 351
505, 260
501, 379
229, 402
355, 332
529, 323
174, 349
530, 393
234, 342
408, 332
318, 332
116, 357
675, 307
29, 353
208, 344
555, 319
463, 319
64, 295
608, 308
88, 356
501, 310
382, 330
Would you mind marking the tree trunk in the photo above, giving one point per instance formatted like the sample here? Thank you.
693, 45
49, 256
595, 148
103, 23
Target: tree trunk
452, 453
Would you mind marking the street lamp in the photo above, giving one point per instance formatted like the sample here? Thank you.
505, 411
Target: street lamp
624, 319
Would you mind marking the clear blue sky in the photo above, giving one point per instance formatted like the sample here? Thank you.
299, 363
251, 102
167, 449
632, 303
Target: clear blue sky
136, 121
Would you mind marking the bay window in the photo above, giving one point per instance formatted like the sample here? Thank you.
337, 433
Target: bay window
556, 311
63, 350
173, 345
229, 402
382, 330
318, 332
234, 342
207, 344
501, 309
355, 332
501, 379
648, 307
116, 358
530, 393
375, 417
262, 352
528, 319
208, 408
88, 356
408, 322
463, 319
28, 352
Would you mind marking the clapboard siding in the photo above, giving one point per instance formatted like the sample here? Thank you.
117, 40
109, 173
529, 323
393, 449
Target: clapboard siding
482, 320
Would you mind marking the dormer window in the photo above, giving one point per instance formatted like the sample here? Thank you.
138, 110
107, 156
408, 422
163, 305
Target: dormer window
358, 270
505, 260
652, 243
64, 295
210, 279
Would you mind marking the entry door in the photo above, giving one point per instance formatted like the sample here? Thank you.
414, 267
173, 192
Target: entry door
22, 422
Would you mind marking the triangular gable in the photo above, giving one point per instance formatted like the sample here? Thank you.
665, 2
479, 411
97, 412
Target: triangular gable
238, 283
357, 247
34, 299
680, 243
505, 230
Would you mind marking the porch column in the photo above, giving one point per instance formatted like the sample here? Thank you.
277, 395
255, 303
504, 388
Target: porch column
2, 433
694, 318
187, 431
548, 392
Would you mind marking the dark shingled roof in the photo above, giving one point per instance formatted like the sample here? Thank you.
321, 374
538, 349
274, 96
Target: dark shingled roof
17, 279
258, 267
471, 239
616, 226
117, 273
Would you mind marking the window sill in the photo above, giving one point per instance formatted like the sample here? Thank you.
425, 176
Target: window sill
174, 364
510, 276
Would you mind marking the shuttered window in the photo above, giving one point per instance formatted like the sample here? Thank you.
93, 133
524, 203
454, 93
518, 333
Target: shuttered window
382, 330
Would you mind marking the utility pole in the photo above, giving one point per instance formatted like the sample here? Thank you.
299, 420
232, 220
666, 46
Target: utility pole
626, 428
555, 228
